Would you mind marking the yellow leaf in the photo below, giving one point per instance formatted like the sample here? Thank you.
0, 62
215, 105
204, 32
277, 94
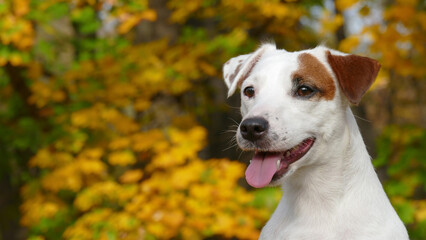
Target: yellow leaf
3, 61
381, 81
131, 176
422, 20
125, 222
400, 12
411, 3
91, 166
364, 11
149, 15
38, 207
420, 213
119, 143
122, 158
146, 140
349, 44
15, 59
156, 228
21, 7
174, 219
35, 70
180, 13
58, 96
331, 23
64, 178
141, 104
342, 5
93, 153
36, 238
207, 68
129, 21
42, 159
271, 9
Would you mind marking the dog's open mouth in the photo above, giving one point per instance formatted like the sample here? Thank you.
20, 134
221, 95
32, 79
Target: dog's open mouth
268, 166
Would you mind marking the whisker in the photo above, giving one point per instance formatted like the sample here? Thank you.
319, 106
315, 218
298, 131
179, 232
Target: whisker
366, 120
239, 156
232, 107
237, 123
228, 131
232, 140
232, 146
233, 129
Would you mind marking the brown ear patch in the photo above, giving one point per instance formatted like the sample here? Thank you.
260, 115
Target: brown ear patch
250, 66
355, 74
234, 74
312, 72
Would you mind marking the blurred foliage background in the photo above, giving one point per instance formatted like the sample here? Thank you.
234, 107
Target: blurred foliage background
113, 117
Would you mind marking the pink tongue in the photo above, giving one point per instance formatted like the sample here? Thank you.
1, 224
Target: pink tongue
262, 168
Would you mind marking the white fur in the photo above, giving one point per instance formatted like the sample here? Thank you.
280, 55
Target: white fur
333, 191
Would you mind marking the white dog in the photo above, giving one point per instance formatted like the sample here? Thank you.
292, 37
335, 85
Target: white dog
297, 120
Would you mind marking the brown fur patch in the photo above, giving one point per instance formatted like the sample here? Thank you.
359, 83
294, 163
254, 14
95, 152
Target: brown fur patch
312, 72
250, 67
354, 73
234, 74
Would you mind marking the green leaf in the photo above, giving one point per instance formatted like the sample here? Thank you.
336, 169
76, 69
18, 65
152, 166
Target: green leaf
84, 15
405, 212
4, 7
111, 235
45, 49
418, 232
383, 152
397, 188
266, 197
28, 134
4, 80
54, 11
4, 51
138, 6
90, 27
206, 176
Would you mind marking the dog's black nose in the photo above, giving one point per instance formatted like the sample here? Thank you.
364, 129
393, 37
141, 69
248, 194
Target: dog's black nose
253, 128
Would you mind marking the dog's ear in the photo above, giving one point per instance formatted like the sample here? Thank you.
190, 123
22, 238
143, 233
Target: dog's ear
355, 74
231, 70
237, 69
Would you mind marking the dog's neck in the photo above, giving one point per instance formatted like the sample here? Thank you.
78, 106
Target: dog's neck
341, 196
321, 187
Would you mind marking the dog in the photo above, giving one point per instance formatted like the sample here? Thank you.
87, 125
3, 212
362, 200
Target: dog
297, 120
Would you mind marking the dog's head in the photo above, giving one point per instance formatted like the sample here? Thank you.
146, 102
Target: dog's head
293, 104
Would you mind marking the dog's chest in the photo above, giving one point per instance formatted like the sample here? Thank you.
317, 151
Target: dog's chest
297, 230
296, 234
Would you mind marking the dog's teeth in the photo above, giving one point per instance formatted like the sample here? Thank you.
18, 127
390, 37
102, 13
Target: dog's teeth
287, 154
278, 164
250, 161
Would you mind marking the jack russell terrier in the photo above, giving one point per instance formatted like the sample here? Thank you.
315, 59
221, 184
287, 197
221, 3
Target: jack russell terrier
297, 120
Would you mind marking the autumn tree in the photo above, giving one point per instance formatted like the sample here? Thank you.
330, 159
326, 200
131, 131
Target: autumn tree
104, 107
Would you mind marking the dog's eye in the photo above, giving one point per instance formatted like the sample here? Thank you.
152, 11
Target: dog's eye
304, 91
249, 92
